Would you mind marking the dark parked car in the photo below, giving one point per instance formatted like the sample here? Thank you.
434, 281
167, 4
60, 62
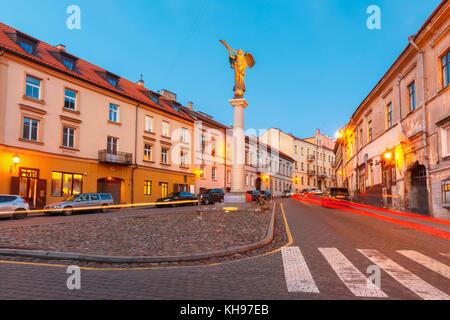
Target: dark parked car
255, 194
267, 195
335, 194
177, 196
212, 196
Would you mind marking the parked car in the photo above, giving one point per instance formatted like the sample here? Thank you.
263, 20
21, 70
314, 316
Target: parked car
267, 195
336, 194
82, 202
13, 207
305, 192
255, 194
212, 196
315, 192
287, 194
177, 196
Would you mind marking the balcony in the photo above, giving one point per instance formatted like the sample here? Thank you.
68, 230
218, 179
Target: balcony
322, 175
311, 172
311, 157
118, 158
333, 164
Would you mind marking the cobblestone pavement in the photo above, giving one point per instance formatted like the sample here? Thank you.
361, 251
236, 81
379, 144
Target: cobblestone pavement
143, 233
331, 251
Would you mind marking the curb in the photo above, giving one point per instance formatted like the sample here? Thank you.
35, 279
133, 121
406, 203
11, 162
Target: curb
49, 255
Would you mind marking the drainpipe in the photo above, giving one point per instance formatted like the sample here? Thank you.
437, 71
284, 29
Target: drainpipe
135, 154
424, 122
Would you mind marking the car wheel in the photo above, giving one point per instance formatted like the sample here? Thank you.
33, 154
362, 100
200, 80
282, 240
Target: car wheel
19, 214
104, 208
207, 201
67, 211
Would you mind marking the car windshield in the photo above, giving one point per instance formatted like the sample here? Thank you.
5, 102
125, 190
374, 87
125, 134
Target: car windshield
339, 191
71, 198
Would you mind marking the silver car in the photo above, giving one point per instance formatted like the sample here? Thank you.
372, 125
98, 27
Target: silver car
82, 202
13, 207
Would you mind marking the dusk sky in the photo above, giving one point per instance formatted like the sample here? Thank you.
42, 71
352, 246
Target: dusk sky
316, 60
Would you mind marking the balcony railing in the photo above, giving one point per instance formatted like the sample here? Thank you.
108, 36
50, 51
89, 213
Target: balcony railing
333, 163
120, 158
311, 157
312, 172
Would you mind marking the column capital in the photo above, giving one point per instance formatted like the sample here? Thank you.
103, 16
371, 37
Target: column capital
238, 103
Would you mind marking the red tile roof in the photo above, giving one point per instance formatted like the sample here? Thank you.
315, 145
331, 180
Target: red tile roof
85, 72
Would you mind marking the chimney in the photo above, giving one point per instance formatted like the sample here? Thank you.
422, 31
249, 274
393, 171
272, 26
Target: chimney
168, 95
61, 47
318, 132
141, 82
191, 106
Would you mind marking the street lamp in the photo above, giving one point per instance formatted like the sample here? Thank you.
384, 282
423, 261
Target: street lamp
16, 159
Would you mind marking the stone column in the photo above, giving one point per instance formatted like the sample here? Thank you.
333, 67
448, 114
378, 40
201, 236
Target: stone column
237, 194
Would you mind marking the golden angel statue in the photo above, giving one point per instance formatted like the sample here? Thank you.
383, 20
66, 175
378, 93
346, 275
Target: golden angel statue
239, 62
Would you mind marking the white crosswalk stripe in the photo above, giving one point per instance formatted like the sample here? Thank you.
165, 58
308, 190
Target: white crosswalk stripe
298, 276
353, 279
446, 254
427, 262
404, 277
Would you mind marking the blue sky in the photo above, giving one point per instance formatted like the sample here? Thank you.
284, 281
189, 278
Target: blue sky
315, 59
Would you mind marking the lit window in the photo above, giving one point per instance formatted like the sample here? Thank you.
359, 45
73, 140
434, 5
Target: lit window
446, 191
446, 69
68, 137
113, 113
66, 184
164, 189
33, 88
30, 129
148, 124
183, 159
70, 99
148, 188
148, 152
412, 96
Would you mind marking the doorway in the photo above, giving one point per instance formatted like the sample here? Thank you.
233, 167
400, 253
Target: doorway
419, 193
30, 187
112, 186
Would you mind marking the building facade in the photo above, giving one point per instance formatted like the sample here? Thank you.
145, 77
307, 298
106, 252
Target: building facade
396, 145
67, 127
314, 162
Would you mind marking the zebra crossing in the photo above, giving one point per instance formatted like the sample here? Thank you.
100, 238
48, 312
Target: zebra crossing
299, 275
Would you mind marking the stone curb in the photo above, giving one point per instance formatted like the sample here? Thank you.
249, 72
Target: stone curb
49, 255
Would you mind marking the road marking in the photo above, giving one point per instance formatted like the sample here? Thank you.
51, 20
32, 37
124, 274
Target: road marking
353, 279
427, 262
404, 277
446, 254
298, 276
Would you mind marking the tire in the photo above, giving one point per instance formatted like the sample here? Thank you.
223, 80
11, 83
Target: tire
104, 208
206, 201
19, 214
67, 211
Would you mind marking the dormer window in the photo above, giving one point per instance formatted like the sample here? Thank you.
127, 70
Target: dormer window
68, 64
111, 78
112, 82
69, 61
25, 42
27, 47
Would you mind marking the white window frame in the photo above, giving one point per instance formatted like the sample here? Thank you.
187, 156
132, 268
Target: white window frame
33, 86
445, 136
75, 101
165, 156
30, 129
114, 112
214, 173
65, 144
148, 152
165, 129
148, 123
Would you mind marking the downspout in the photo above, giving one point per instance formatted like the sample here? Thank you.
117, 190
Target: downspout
424, 122
135, 154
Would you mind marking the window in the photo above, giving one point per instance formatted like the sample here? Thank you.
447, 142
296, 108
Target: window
446, 69
164, 156
148, 124
112, 82
445, 141
303, 166
27, 46
389, 115
296, 149
148, 152
30, 129
214, 146
68, 137
296, 165
70, 99
369, 131
164, 189
412, 96
33, 88
246, 180
113, 113
147, 188
183, 159
446, 191
165, 129
66, 184
112, 145
302, 150
68, 64
203, 170
213, 174
183, 135
203, 144
228, 176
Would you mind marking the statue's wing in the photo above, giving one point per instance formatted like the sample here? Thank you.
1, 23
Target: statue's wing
249, 59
